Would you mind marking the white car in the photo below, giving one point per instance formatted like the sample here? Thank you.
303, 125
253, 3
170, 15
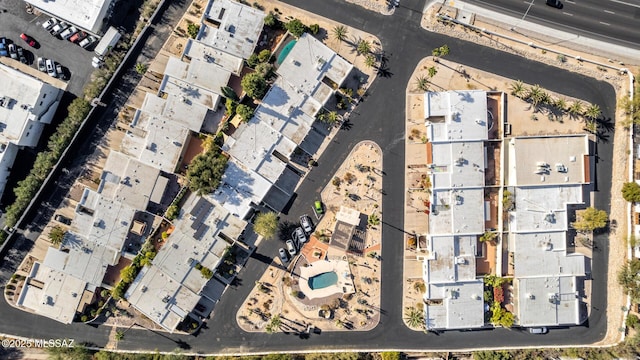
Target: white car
291, 247
305, 222
51, 68
58, 28
65, 35
96, 62
41, 65
47, 25
88, 41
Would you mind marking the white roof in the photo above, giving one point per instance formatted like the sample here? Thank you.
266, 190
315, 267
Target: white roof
281, 110
87, 14
101, 220
204, 218
348, 215
543, 208
198, 73
456, 115
128, 180
545, 254
548, 160
155, 140
548, 301
451, 259
160, 297
239, 188
457, 212
458, 164
188, 114
26, 102
462, 306
57, 298
308, 63
197, 50
188, 93
254, 145
82, 259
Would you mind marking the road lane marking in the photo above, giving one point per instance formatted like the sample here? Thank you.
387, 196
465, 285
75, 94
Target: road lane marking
609, 12
625, 3
566, 13
571, 2
604, 23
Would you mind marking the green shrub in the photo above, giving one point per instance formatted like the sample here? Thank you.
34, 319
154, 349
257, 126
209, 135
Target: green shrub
193, 30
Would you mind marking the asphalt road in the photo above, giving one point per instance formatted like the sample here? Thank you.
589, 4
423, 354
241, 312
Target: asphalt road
613, 21
380, 118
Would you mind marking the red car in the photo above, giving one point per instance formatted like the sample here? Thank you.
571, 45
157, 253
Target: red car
28, 39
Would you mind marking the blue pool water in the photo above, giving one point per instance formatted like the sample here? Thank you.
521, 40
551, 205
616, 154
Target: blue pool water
323, 280
285, 51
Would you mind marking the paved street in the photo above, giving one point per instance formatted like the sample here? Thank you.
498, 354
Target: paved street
380, 118
608, 20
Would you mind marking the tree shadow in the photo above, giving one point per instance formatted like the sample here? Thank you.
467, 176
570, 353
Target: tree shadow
285, 229
606, 124
346, 125
384, 71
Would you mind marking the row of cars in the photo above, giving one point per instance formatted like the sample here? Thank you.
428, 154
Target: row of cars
52, 68
62, 30
12, 50
298, 239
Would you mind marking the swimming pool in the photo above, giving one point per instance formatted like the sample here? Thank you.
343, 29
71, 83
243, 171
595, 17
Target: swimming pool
285, 51
323, 280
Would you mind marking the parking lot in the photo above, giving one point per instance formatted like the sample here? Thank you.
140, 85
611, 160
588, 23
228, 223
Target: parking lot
15, 20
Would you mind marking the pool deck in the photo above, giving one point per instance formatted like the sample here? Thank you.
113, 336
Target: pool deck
344, 284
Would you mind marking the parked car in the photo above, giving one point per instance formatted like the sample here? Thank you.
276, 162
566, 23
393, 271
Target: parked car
47, 25
555, 3
12, 51
60, 72
538, 330
28, 39
65, 35
299, 236
305, 222
3, 47
291, 247
79, 36
51, 68
88, 41
96, 62
283, 255
58, 28
41, 65
62, 219
317, 206
21, 56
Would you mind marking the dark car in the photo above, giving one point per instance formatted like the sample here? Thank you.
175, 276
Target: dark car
555, 3
21, 56
28, 39
62, 219
3, 47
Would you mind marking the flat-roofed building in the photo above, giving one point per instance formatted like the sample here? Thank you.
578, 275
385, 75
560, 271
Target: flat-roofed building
87, 15
52, 293
26, 106
156, 141
240, 189
548, 175
203, 232
456, 127
129, 181
312, 68
196, 50
231, 27
199, 74
176, 108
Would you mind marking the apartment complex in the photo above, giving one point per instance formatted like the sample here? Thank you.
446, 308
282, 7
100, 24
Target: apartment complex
545, 177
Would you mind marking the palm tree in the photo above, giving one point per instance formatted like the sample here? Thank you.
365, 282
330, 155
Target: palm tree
370, 60
119, 335
591, 126
592, 112
273, 325
414, 317
340, 33
537, 95
561, 104
422, 83
576, 108
517, 89
364, 47
339, 324
373, 220
432, 71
